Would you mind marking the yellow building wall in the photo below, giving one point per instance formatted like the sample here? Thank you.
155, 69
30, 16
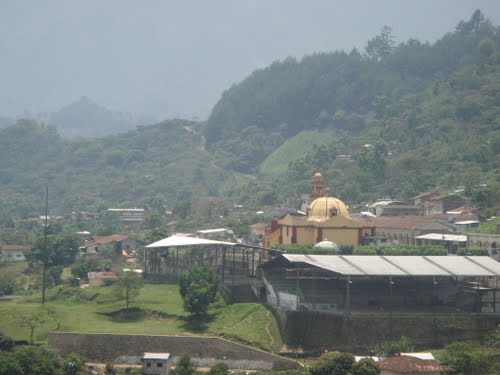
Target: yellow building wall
306, 235
341, 236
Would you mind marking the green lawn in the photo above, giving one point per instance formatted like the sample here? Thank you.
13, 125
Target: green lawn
88, 311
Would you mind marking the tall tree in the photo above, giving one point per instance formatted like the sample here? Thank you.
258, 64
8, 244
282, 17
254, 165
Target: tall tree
380, 47
128, 286
198, 288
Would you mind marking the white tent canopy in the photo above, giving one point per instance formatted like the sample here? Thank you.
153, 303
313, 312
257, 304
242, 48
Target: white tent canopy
180, 241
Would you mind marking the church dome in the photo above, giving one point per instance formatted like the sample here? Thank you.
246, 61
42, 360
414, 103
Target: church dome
325, 208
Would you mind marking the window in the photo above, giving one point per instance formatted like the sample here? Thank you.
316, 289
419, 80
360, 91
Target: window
159, 364
148, 364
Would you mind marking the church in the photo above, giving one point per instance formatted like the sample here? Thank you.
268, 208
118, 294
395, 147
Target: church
327, 219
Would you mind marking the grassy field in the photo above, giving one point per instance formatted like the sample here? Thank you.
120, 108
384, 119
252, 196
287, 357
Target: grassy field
293, 149
159, 312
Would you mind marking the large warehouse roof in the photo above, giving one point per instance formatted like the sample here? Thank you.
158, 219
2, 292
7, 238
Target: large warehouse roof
371, 265
180, 241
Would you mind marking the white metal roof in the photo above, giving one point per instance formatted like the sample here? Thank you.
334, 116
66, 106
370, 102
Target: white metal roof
156, 356
217, 230
466, 222
443, 237
373, 265
179, 241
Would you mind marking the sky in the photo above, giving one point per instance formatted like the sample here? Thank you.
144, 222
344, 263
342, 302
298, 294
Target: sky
174, 58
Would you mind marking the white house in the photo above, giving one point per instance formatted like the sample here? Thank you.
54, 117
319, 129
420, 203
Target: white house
14, 253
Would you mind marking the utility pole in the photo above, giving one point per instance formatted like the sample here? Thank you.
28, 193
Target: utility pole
45, 244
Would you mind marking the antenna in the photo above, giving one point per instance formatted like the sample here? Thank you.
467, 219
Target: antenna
45, 246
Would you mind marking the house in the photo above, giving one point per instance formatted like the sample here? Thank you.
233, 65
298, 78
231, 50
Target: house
14, 253
404, 229
100, 278
120, 242
441, 204
420, 199
129, 214
156, 363
409, 365
389, 207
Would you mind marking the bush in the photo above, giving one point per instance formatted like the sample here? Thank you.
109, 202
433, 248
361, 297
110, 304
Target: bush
220, 368
366, 366
9, 365
184, 366
474, 251
333, 363
391, 348
6, 343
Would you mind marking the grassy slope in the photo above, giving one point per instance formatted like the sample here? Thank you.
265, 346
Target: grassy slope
250, 324
293, 149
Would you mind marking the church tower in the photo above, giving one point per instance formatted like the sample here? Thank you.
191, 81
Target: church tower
317, 187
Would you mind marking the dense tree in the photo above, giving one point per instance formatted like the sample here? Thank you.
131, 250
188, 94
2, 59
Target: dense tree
38, 360
198, 288
9, 365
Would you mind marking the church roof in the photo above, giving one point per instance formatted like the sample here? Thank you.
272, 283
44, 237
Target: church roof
322, 208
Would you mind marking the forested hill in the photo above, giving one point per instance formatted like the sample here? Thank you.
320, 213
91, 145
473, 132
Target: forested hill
405, 119
129, 169
340, 90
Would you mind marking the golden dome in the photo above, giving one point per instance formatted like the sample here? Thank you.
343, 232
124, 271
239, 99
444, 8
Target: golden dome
317, 174
324, 208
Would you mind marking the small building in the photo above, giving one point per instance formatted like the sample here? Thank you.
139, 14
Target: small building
156, 363
409, 365
389, 207
14, 253
120, 242
101, 278
441, 204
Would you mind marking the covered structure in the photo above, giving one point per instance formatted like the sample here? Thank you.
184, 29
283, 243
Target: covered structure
238, 265
345, 284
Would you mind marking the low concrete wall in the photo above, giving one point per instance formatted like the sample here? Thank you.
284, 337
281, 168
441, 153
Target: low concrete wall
205, 350
316, 332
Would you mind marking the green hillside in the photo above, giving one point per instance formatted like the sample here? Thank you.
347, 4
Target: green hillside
161, 313
295, 148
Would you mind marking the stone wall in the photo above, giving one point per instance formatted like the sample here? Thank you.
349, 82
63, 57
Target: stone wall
205, 350
315, 332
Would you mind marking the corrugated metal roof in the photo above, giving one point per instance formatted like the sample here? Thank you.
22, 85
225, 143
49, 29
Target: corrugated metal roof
156, 356
443, 237
372, 265
179, 241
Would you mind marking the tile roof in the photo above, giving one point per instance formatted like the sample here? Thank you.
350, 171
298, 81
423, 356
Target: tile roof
402, 222
105, 239
16, 248
406, 364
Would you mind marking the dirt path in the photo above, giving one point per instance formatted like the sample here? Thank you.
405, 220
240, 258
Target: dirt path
201, 146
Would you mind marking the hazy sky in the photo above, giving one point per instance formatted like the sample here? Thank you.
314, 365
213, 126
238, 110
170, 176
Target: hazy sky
170, 58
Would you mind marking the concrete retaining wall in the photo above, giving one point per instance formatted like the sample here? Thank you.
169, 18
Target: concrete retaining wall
316, 332
205, 350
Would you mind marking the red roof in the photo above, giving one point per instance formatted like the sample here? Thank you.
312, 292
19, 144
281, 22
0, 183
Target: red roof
405, 364
102, 240
16, 248
425, 194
